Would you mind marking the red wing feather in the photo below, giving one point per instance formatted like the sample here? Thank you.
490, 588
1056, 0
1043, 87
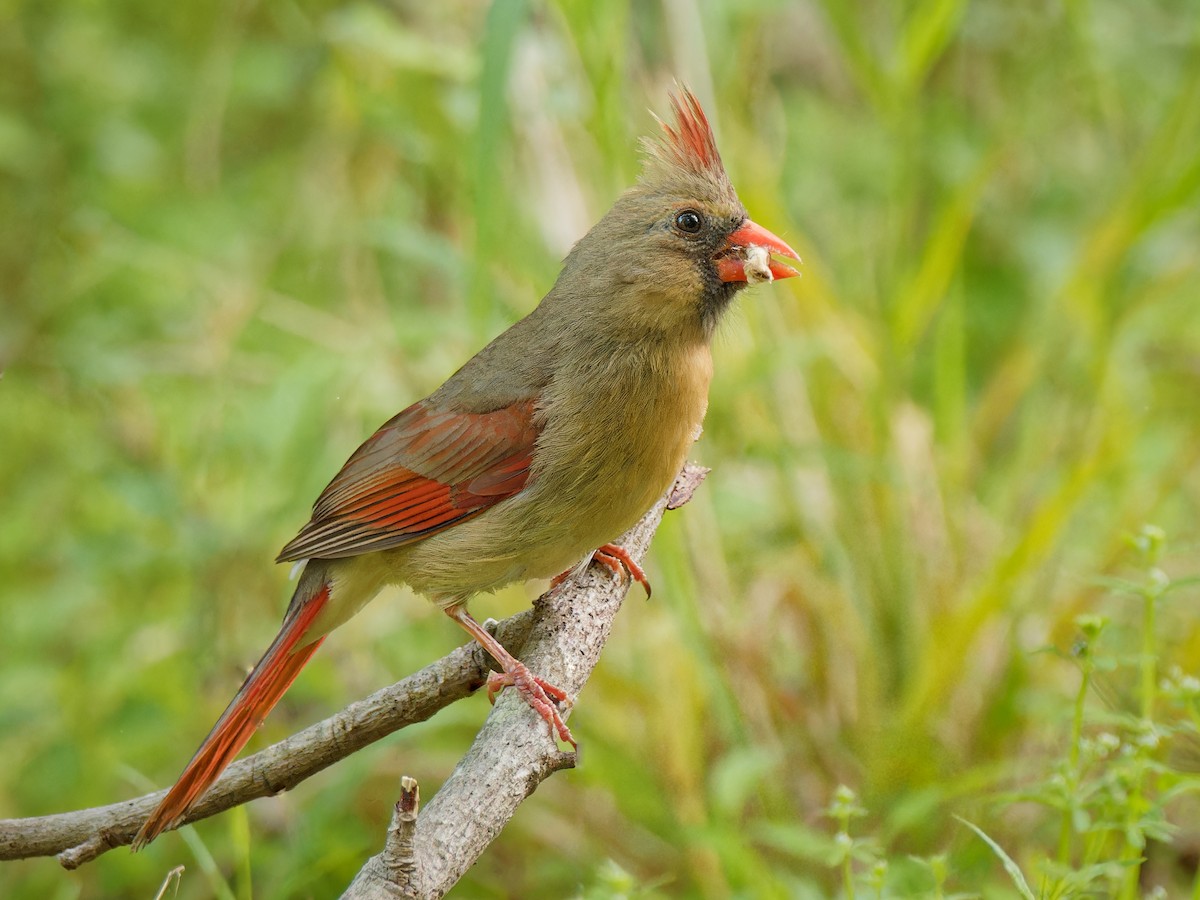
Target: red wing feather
423, 471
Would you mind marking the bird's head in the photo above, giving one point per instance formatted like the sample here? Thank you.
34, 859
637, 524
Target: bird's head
674, 249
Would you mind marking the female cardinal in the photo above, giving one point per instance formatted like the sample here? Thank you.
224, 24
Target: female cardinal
550, 442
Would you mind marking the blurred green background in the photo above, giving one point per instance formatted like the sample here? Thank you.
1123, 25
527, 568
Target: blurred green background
235, 237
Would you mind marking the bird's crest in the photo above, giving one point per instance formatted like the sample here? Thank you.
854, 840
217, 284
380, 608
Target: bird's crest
688, 145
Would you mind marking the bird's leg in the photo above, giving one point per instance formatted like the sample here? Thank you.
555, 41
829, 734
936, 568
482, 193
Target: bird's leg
616, 559
538, 693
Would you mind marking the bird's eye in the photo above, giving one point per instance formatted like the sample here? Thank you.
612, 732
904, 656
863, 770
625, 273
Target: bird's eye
689, 221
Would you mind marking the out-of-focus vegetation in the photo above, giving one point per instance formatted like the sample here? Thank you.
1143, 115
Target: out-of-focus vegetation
237, 236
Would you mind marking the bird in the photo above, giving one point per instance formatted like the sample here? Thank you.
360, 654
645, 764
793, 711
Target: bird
540, 451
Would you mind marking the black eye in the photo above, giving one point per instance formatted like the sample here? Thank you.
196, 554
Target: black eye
689, 221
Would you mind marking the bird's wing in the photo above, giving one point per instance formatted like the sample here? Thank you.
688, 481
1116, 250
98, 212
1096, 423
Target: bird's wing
423, 471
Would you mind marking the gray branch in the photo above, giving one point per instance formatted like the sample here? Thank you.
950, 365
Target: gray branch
513, 752
81, 836
560, 639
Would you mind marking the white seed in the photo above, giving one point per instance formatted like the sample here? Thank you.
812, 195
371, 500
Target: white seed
758, 264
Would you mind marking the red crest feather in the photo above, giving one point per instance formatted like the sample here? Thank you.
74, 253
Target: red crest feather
688, 144
691, 141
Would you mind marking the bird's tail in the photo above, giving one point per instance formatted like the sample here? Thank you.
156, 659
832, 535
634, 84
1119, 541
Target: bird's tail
271, 677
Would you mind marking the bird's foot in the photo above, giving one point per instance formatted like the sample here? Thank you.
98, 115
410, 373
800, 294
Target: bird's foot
538, 693
617, 560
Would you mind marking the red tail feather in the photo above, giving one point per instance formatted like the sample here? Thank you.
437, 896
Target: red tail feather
272, 676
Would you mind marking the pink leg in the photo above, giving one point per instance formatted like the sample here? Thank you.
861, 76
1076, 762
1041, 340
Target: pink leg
618, 560
538, 693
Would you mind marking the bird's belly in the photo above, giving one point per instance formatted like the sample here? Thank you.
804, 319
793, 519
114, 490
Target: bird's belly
536, 534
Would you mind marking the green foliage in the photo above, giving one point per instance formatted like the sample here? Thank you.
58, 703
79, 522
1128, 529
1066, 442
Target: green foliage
238, 236
1121, 788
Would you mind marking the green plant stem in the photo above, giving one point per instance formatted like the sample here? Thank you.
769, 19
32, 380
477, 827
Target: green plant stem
1149, 690
1149, 659
1067, 827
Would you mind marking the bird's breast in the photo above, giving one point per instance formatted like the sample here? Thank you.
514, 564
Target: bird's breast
618, 439
615, 433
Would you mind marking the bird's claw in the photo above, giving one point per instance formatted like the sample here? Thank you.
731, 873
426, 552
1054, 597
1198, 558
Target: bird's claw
617, 560
620, 562
540, 694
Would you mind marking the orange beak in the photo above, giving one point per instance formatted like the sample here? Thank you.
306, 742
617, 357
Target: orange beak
731, 264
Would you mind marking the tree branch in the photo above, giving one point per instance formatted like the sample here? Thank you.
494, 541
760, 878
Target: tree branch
81, 836
559, 639
513, 752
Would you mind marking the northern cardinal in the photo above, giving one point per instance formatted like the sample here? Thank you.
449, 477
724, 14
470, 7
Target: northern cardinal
549, 443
